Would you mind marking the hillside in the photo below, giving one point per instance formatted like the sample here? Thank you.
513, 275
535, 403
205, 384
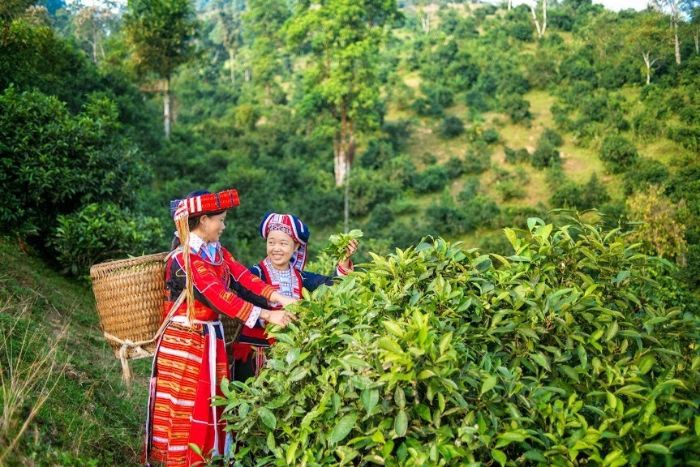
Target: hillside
89, 418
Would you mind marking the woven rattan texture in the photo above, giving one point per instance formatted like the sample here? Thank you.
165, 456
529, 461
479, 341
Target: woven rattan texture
129, 296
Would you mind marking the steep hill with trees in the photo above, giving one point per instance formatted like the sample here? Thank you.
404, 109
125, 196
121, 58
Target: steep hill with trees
409, 119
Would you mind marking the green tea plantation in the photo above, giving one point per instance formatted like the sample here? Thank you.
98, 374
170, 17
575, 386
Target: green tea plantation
577, 349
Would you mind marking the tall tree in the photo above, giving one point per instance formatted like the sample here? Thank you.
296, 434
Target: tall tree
644, 37
341, 85
161, 34
673, 8
692, 9
9, 10
92, 24
264, 22
228, 30
540, 23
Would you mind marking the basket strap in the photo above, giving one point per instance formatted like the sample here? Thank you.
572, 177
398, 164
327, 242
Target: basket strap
127, 344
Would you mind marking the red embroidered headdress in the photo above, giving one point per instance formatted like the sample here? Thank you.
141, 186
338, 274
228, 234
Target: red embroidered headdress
206, 203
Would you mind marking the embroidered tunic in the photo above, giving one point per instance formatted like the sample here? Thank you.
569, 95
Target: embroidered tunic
248, 352
190, 360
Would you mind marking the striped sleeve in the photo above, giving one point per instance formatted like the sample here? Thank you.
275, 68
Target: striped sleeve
211, 291
245, 278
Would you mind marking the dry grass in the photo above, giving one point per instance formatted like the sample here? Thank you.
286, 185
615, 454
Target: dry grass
27, 377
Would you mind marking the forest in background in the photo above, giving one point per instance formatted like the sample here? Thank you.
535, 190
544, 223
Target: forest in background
430, 118
463, 120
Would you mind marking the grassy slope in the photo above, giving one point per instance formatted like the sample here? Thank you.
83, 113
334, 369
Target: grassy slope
89, 418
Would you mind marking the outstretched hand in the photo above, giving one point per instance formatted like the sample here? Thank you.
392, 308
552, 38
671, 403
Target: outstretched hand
283, 299
280, 317
345, 263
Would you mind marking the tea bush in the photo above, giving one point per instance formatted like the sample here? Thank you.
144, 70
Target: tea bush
577, 348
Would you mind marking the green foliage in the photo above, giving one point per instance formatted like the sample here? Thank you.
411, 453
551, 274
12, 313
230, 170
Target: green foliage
161, 33
514, 156
445, 217
645, 172
510, 189
618, 154
477, 161
587, 196
99, 232
341, 82
370, 188
54, 162
432, 179
451, 127
517, 108
562, 352
545, 154
338, 243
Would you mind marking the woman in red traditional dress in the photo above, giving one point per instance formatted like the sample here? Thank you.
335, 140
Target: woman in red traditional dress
190, 360
286, 238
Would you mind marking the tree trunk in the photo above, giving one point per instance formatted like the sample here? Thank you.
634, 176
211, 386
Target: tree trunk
696, 36
676, 43
343, 154
544, 17
540, 28
166, 108
425, 21
231, 59
648, 63
346, 200
94, 50
648, 66
510, 5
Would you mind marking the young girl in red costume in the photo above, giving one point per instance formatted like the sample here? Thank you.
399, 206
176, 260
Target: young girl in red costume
190, 360
283, 268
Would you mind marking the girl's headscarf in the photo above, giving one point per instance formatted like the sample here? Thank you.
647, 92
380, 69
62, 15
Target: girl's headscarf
292, 226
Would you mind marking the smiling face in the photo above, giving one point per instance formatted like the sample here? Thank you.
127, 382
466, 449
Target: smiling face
211, 227
280, 248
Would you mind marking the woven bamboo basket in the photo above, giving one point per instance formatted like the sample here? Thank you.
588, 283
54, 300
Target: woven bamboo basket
129, 296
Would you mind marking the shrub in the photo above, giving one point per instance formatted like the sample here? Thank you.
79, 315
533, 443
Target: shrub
517, 108
574, 348
572, 195
444, 216
490, 136
369, 188
510, 189
99, 232
455, 167
451, 127
545, 155
644, 173
54, 162
647, 126
618, 154
469, 190
521, 30
513, 156
432, 179
476, 100
688, 137
552, 137
479, 211
662, 232
568, 195
476, 162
